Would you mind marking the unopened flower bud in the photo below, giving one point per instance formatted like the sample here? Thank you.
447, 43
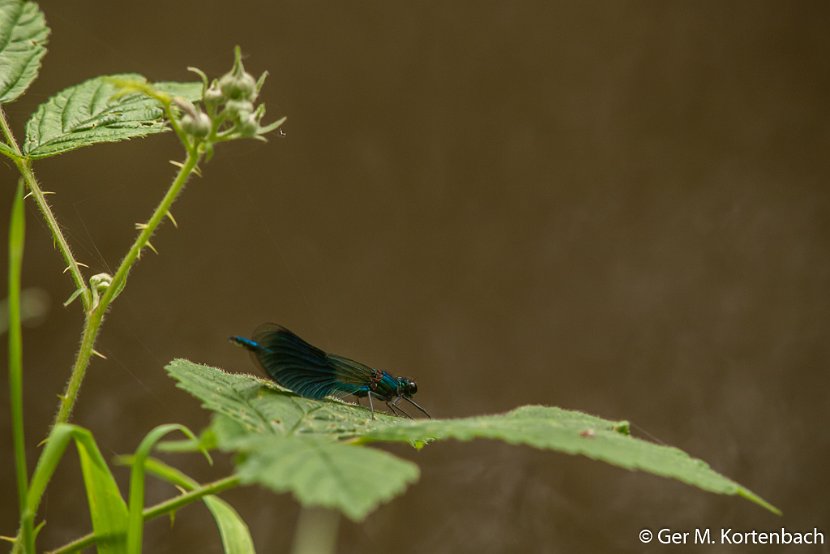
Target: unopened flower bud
248, 126
238, 87
239, 109
213, 94
198, 126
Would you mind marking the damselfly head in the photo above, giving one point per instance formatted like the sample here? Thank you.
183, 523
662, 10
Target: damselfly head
406, 386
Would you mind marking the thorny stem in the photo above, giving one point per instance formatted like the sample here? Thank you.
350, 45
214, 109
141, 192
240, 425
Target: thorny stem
160, 509
24, 166
95, 308
95, 317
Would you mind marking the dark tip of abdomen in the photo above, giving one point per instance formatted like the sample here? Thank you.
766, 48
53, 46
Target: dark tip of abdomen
245, 343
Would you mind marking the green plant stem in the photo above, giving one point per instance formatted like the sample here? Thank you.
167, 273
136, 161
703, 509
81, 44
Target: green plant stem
92, 327
95, 317
316, 531
24, 166
17, 230
177, 502
160, 509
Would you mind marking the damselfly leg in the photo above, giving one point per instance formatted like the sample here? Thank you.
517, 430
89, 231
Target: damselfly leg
423, 411
393, 406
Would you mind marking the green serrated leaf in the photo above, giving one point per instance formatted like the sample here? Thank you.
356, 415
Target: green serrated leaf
261, 406
253, 410
322, 472
573, 433
23, 35
92, 112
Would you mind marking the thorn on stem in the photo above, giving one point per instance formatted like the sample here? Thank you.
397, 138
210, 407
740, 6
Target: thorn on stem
99, 354
67, 268
172, 219
72, 298
140, 226
151, 247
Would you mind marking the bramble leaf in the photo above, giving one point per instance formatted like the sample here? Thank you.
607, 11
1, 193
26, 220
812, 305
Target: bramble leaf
23, 35
327, 473
571, 432
262, 406
281, 436
94, 112
290, 443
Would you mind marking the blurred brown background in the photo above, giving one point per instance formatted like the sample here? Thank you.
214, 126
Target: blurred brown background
618, 207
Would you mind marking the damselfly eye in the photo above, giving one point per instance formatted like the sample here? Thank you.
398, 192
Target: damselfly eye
411, 387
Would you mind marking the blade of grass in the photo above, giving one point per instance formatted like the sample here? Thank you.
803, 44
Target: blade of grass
17, 236
135, 518
162, 508
108, 510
